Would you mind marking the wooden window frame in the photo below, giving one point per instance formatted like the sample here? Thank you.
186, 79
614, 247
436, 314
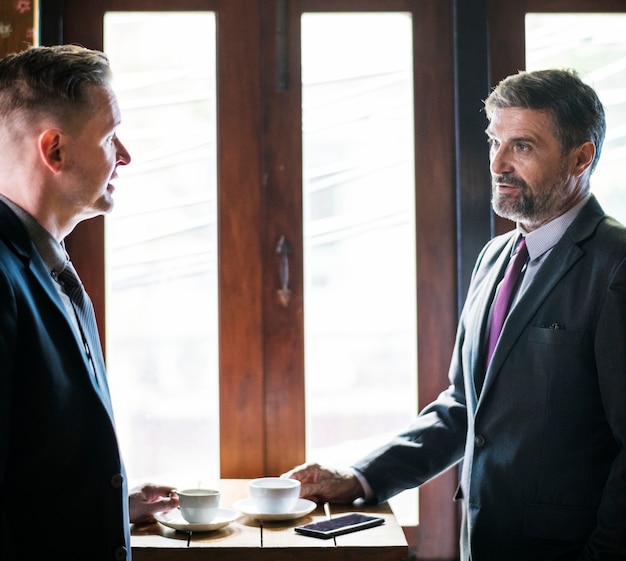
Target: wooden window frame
261, 355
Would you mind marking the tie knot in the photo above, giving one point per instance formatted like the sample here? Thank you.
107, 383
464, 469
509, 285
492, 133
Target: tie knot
520, 256
68, 278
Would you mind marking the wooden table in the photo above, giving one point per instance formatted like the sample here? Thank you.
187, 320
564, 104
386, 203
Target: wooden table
247, 539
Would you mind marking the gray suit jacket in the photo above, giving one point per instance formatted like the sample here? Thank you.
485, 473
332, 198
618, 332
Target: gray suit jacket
543, 445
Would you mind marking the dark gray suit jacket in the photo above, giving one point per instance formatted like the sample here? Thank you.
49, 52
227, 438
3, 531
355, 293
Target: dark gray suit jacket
543, 446
62, 483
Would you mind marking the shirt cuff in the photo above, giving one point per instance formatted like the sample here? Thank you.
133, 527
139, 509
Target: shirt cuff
368, 493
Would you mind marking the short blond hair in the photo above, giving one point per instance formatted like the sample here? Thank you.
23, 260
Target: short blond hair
51, 81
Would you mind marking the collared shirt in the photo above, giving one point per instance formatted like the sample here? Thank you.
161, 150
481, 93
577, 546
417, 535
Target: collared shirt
541, 241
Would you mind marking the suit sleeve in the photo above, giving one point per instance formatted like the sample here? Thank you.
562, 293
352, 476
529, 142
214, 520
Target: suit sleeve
435, 441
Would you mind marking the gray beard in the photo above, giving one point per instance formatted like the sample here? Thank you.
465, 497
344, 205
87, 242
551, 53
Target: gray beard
528, 208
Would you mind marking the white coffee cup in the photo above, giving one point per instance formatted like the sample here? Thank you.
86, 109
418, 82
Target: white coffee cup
199, 506
274, 495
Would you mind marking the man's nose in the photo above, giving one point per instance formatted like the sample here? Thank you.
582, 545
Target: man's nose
123, 156
499, 161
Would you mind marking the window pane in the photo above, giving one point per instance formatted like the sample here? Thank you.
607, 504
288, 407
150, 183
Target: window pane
594, 45
359, 231
161, 249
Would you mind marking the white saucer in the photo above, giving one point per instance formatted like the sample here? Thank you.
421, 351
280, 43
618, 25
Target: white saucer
174, 519
302, 508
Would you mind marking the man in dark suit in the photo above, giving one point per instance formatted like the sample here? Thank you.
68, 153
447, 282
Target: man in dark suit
63, 488
541, 425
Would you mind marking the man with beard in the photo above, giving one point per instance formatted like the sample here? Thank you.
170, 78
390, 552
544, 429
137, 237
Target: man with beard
537, 414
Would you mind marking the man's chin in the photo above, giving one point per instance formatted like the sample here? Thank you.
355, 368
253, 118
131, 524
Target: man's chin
104, 207
106, 203
505, 210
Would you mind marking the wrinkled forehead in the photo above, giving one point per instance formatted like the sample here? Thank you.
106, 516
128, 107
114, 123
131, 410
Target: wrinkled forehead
520, 121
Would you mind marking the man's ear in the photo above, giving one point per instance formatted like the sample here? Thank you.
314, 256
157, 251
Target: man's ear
585, 154
51, 150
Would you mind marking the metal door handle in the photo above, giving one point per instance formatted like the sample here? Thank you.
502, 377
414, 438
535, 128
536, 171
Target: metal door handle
283, 249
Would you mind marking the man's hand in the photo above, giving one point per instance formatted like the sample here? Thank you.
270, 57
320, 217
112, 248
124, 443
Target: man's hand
323, 484
145, 501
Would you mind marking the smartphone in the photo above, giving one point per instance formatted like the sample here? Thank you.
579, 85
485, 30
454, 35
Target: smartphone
343, 524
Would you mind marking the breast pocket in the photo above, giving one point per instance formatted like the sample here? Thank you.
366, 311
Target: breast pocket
555, 334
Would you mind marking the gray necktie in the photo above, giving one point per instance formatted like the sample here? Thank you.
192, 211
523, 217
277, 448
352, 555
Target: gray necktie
83, 307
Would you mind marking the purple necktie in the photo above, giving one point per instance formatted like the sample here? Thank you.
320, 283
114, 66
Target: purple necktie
504, 296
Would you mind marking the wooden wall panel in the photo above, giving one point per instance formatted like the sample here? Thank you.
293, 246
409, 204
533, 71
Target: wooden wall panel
17, 25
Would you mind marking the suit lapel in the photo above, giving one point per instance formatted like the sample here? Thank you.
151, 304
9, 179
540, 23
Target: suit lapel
16, 237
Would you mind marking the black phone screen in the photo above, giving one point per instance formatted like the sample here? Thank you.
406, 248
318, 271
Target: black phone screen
340, 525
